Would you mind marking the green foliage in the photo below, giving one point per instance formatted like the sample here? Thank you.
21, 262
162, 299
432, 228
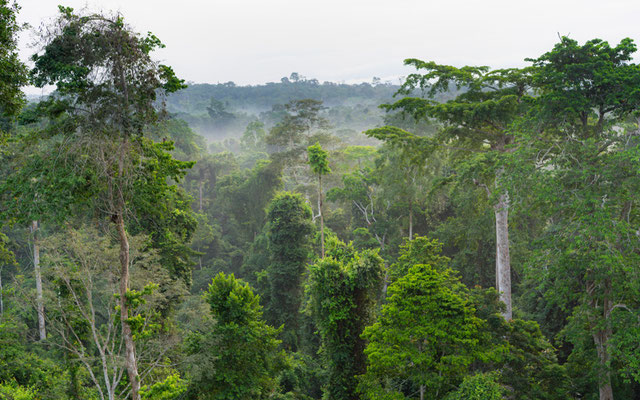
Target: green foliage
163, 208
559, 137
373, 215
318, 160
343, 289
188, 145
102, 121
82, 303
581, 264
238, 357
253, 137
290, 136
479, 387
195, 99
245, 195
13, 73
524, 359
24, 372
232, 301
288, 231
420, 250
426, 335
169, 389
46, 184
13, 391
582, 84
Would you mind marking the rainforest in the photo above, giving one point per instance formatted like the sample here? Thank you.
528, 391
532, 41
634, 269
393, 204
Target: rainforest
467, 232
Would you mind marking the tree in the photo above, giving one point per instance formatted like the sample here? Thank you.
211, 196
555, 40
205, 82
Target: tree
22, 368
372, 214
420, 250
516, 353
426, 335
343, 288
403, 181
238, 357
288, 230
289, 138
253, 136
218, 113
320, 166
578, 164
107, 86
83, 317
479, 387
476, 122
13, 73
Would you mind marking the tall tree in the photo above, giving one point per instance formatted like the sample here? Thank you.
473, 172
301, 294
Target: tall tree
400, 351
13, 72
320, 166
579, 165
107, 86
288, 230
83, 317
238, 358
301, 125
14, 75
478, 122
344, 288
426, 335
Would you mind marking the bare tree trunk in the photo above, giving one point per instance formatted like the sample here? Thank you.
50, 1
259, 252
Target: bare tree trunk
385, 279
36, 267
600, 339
503, 262
321, 215
127, 335
421, 392
410, 219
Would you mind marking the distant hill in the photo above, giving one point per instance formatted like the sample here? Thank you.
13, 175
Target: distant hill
259, 98
220, 111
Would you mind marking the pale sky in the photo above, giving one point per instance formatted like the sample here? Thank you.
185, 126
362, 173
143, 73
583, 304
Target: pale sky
258, 41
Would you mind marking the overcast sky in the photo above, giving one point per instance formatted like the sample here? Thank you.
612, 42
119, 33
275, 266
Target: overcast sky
258, 41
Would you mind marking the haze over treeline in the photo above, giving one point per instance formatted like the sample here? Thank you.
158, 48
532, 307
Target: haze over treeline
471, 233
224, 110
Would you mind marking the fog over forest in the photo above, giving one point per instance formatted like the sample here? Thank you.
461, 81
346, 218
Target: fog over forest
368, 226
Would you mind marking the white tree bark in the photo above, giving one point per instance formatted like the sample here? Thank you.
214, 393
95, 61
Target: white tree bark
503, 262
36, 266
411, 220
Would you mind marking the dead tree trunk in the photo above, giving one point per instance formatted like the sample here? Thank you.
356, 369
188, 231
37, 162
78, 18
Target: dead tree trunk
411, 219
36, 266
503, 262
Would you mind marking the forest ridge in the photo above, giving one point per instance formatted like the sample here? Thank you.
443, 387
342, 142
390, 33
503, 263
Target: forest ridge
471, 233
